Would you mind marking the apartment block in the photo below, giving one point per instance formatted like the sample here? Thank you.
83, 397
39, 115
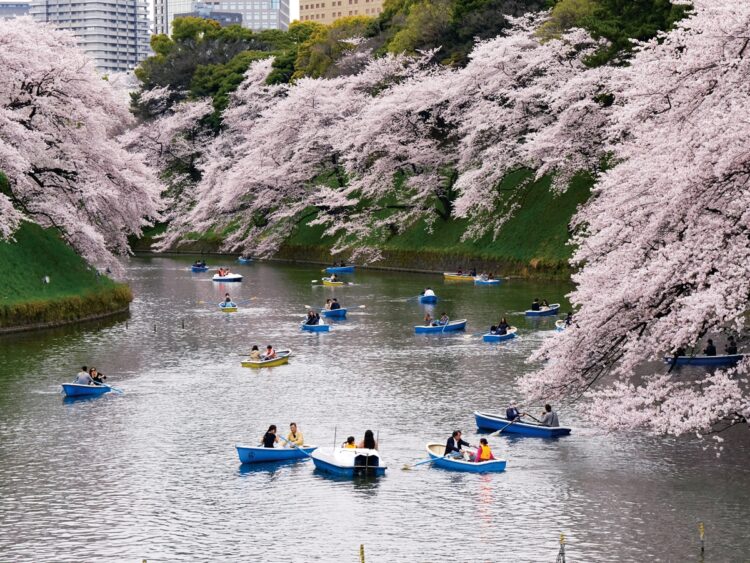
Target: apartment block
256, 14
327, 11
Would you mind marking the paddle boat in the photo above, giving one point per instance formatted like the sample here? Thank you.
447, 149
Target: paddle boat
316, 328
282, 357
198, 269
339, 270
489, 337
483, 281
242, 260
257, 454
455, 276
225, 307
428, 299
487, 421
725, 360
334, 313
227, 278
328, 282
348, 462
560, 325
544, 311
451, 326
437, 452
78, 390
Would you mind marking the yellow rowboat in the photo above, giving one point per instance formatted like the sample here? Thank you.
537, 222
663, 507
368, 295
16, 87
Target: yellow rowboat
327, 281
283, 358
228, 309
454, 276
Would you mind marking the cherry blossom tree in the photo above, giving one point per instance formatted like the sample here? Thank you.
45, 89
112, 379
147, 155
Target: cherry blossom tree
59, 122
664, 245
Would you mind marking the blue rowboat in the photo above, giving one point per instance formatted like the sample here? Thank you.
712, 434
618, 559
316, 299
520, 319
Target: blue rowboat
316, 328
334, 313
727, 360
78, 390
250, 454
486, 421
489, 337
560, 325
450, 327
242, 260
482, 281
346, 462
437, 451
340, 270
199, 268
428, 298
544, 311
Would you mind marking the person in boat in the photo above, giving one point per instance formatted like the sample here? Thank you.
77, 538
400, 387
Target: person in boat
428, 292
328, 305
731, 347
335, 304
569, 319
484, 453
334, 278
460, 271
97, 377
490, 276
350, 443
270, 438
228, 301
255, 353
710, 349
368, 442
535, 304
545, 304
473, 272
454, 444
294, 436
549, 417
444, 319
502, 326
428, 320
512, 413
270, 353
312, 318
83, 377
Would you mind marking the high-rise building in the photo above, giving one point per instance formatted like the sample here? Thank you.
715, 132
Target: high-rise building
256, 14
201, 10
115, 33
327, 11
9, 10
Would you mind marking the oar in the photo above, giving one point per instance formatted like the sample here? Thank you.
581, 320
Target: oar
295, 446
115, 389
432, 459
532, 416
497, 432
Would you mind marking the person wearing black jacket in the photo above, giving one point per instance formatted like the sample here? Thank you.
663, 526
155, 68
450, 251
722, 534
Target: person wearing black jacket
454, 444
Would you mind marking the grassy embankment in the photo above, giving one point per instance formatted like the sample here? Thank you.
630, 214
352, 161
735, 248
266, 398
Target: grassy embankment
75, 291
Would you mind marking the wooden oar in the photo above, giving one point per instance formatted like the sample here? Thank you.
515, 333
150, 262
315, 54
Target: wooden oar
409, 467
295, 446
532, 416
497, 432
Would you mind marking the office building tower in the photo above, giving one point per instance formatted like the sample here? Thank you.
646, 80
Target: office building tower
327, 11
10, 10
256, 14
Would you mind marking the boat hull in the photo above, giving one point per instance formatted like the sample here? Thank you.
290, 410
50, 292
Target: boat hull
245, 260
436, 452
76, 390
450, 327
229, 278
548, 312
726, 360
427, 299
316, 328
228, 309
487, 421
250, 454
453, 276
198, 269
334, 313
330, 283
510, 335
340, 270
480, 281
560, 325
345, 462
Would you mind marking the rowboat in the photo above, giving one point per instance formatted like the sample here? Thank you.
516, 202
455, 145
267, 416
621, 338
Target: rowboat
242, 260
544, 311
340, 270
726, 360
334, 313
560, 325
348, 462
199, 268
451, 326
483, 281
316, 328
437, 451
78, 390
455, 276
257, 454
228, 307
227, 278
328, 282
428, 299
489, 337
486, 421
281, 359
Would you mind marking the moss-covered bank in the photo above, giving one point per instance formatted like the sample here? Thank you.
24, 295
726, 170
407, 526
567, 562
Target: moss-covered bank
74, 291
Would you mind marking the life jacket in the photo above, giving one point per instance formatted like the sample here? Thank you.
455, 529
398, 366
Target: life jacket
484, 453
